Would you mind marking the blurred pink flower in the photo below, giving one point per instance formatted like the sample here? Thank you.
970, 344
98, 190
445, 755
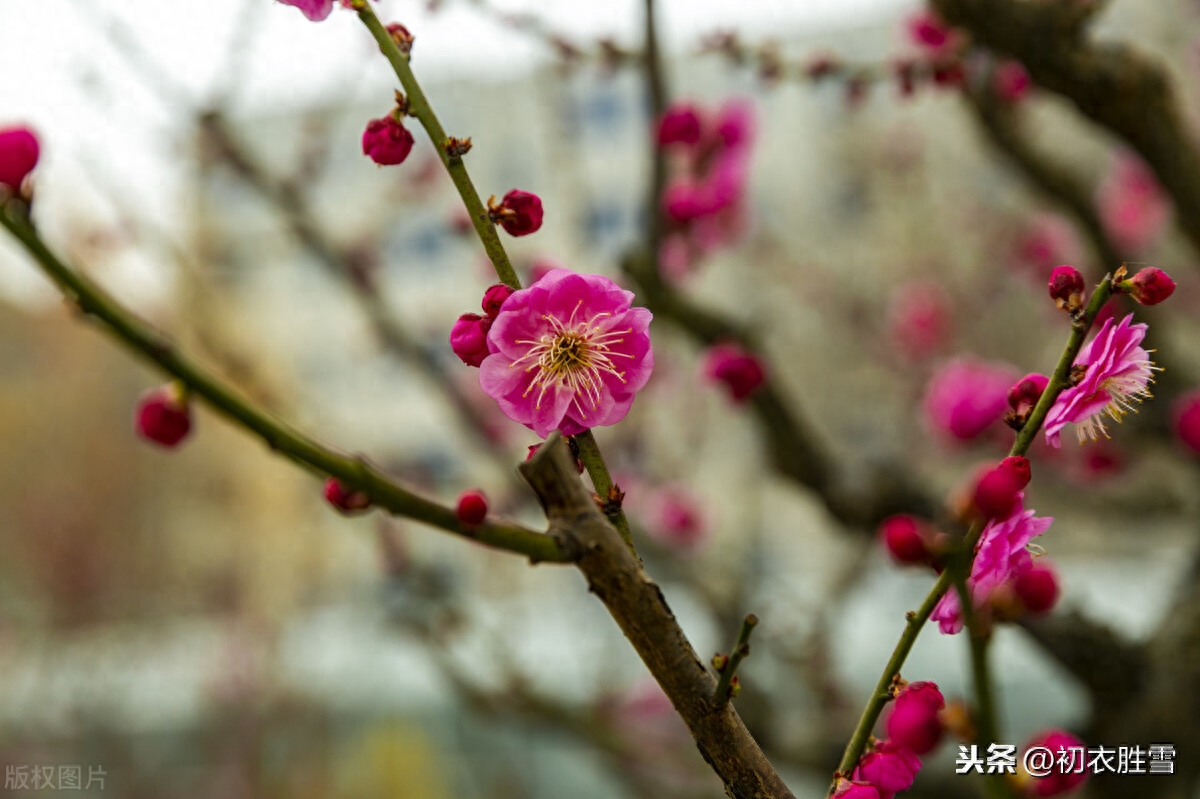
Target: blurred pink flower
316, 10
1046, 241
738, 369
1132, 206
734, 123
1067, 749
1185, 415
967, 396
568, 353
1000, 556
676, 517
679, 124
19, 152
930, 33
919, 319
1010, 81
1118, 373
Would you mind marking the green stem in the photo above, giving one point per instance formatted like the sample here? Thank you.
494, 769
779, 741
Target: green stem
916, 620
740, 650
593, 461
985, 706
354, 472
419, 107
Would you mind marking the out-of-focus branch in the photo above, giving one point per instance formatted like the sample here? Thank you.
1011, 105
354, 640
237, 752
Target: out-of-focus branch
354, 472
1113, 84
636, 603
1001, 123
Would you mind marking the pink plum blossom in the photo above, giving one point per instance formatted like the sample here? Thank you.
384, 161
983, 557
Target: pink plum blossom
1000, 555
1118, 373
1010, 81
919, 319
568, 353
1132, 206
734, 123
912, 723
316, 10
677, 518
967, 396
890, 768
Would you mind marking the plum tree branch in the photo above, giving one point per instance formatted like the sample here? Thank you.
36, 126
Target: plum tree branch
353, 471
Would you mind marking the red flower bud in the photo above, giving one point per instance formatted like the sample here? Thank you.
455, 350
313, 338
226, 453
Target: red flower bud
344, 499
1026, 392
738, 369
1149, 286
1037, 588
906, 538
386, 141
913, 722
680, 124
519, 213
1061, 778
468, 338
18, 155
1186, 416
494, 297
472, 508
996, 492
1066, 288
163, 417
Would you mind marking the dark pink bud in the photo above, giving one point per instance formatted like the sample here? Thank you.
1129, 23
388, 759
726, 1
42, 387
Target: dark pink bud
468, 338
683, 202
740, 370
1186, 416
890, 768
1010, 81
163, 416
906, 538
472, 508
913, 722
927, 30
18, 155
1037, 588
494, 297
680, 124
1066, 287
315, 10
848, 789
1060, 780
386, 141
344, 499
519, 213
996, 492
1026, 392
1149, 286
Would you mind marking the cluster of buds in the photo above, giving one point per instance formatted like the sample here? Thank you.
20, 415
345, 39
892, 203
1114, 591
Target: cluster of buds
914, 728
468, 336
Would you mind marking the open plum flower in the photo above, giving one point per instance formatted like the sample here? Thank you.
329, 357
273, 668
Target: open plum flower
1118, 372
569, 353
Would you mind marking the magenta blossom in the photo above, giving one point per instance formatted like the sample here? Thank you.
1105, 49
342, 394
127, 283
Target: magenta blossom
1000, 556
967, 396
890, 768
1118, 373
19, 152
316, 10
738, 369
568, 353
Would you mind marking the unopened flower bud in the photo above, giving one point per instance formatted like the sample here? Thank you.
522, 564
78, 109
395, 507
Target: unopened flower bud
1026, 392
680, 124
468, 338
913, 721
386, 141
519, 213
906, 539
1186, 418
996, 492
18, 155
494, 297
1066, 288
472, 508
1060, 779
1037, 588
1149, 286
344, 499
163, 416
720, 661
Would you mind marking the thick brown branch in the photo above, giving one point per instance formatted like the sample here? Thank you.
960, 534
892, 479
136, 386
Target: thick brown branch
637, 605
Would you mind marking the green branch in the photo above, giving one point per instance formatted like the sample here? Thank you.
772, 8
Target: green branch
354, 472
418, 106
916, 620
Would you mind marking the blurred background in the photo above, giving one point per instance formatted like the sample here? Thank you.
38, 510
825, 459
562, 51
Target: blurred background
200, 623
